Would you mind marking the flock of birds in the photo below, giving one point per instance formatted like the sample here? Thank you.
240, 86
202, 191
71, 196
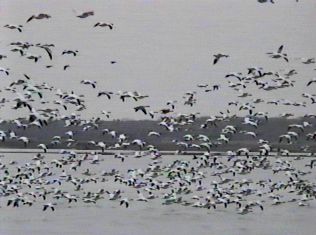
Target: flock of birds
206, 181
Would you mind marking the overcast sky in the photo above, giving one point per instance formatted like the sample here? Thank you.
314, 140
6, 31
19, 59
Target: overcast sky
162, 49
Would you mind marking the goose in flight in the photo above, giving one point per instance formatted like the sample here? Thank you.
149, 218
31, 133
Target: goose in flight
153, 133
288, 74
139, 142
15, 201
309, 96
223, 138
49, 205
217, 57
18, 49
251, 133
202, 85
89, 82
106, 93
286, 137
172, 103
43, 146
115, 195
264, 1
278, 54
248, 121
47, 49
102, 146
25, 140
308, 61
33, 57
142, 108
141, 197
125, 202
313, 80
101, 24
106, 113
74, 53
3, 70
86, 14
39, 17
12, 26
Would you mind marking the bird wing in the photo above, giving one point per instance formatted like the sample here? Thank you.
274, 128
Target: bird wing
144, 110
29, 19
27, 76
49, 52
280, 49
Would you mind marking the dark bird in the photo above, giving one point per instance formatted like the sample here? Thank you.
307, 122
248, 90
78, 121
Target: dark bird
66, 66
142, 108
6, 71
218, 56
38, 17
264, 1
86, 14
311, 81
278, 54
101, 24
106, 93
11, 26
48, 50
74, 53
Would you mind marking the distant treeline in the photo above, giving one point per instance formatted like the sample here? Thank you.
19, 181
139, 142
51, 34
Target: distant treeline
268, 130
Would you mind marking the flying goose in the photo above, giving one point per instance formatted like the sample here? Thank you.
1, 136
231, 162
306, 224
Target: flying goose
278, 54
313, 80
43, 146
106, 93
264, 1
85, 14
142, 108
308, 61
74, 53
217, 57
6, 71
89, 82
11, 26
33, 57
39, 17
49, 205
124, 201
101, 24
25, 140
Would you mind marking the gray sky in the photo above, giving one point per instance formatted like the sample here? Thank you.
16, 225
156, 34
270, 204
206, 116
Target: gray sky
163, 49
